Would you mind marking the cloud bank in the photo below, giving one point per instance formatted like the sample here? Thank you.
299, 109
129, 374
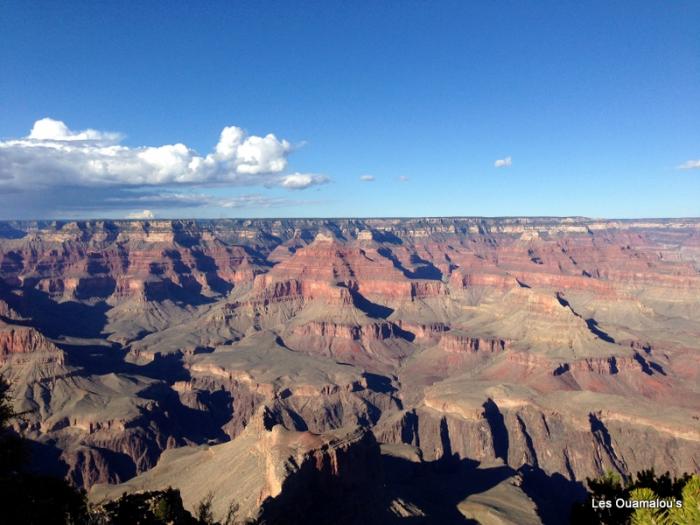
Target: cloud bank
367, 178
503, 163
53, 155
54, 163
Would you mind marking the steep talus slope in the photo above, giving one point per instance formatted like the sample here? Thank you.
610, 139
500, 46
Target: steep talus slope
547, 349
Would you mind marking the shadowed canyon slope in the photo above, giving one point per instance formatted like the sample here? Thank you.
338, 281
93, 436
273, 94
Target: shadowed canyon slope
494, 362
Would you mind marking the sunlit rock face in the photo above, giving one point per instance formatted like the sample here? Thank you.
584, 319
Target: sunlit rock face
552, 348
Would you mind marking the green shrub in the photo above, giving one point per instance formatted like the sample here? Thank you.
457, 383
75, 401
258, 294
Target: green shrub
645, 486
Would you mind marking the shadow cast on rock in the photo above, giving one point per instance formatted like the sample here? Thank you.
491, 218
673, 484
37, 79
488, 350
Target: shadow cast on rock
554, 494
437, 487
375, 310
424, 270
107, 359
56, 319
190, 424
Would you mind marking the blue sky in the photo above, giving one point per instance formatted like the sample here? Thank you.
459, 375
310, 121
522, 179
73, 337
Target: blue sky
597, 104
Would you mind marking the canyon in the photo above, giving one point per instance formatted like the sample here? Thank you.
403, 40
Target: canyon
431, 370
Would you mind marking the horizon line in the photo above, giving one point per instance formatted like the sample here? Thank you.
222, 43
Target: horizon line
395, 217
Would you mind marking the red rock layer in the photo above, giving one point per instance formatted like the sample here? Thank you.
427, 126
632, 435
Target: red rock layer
16, 341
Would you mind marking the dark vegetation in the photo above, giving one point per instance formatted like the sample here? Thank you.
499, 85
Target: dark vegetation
157, 508
647, 485
27, 498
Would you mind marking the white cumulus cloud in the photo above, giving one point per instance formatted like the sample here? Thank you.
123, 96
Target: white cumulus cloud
300, 181
366, 178
50, 129
53, 155
503, 163
690, 165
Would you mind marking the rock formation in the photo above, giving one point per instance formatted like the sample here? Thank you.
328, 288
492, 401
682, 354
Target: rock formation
541, 350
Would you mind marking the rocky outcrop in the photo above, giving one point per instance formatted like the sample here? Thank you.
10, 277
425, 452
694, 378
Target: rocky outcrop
522, 428
456, 342
273, 474
18, 341
364, 333
7, 312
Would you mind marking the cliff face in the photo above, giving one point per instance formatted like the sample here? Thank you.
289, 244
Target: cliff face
567, 345
16, 340
274, 474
